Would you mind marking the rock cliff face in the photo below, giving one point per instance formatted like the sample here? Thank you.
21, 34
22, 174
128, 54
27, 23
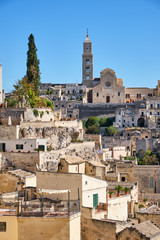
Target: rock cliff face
57, 138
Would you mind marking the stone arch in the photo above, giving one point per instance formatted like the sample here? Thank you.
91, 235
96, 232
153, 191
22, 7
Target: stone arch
141, 122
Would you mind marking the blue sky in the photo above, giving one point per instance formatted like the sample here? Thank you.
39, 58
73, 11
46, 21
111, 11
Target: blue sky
125, 35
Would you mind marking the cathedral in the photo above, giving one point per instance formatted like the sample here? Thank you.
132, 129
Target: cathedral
106, 89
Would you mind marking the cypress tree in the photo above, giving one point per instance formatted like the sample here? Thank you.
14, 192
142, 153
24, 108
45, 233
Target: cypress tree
33, 73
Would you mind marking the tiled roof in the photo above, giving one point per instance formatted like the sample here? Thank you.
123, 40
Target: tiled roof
72, 159
21, 173
147, 228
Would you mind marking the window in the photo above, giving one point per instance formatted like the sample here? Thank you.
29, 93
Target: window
123, 179
87, 61
138, 95
119, 94
87, 69
151, 182
149, 94
41, 147
86, 182
142, 114
2, 226
62, 105
157, 113
158, 105
19, 146
127, 95
150, 113
87, 49
87, 77
151, 105
97, 94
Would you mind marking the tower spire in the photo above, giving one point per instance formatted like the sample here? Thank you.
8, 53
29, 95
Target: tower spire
87, 37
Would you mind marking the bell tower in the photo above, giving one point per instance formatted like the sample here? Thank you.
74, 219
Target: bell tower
87, 63
1, 92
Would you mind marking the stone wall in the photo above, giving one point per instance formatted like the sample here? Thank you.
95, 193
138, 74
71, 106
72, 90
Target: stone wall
14, 113
55, 228
8, 132
104, 109
154, 217
97, 229
56, 138
24, 161
96, 138
44, 114
131, 234
143, 174
8, 182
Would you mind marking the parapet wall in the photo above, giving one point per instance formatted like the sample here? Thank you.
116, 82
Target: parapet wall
14, 113
24, 161
89, 109
8, 132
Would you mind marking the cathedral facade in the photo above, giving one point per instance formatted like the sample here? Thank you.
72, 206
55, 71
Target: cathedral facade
108, 88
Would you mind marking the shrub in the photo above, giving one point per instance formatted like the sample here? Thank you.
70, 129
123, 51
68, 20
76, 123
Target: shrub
140, 206
35, 112
41, 114
49, 104
13, 103
111, 131
94, 129
92, 121
74, 136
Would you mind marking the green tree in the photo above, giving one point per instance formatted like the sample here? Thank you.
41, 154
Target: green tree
111, 131
105, 122
102, 122
33, 73
149, 159
94, 129
109, 122
91, 121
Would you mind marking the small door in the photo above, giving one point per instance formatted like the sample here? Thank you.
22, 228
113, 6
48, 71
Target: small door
107, 99
3, 147
95, 200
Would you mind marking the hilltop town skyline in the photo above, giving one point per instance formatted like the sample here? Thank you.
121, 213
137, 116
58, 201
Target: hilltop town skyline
124, 37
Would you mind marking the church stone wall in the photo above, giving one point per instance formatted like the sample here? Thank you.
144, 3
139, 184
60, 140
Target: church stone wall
109, 89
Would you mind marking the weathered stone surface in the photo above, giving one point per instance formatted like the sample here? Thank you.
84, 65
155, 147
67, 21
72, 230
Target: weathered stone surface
57, 138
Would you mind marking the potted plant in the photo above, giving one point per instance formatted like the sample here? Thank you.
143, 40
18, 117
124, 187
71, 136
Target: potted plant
110, 194
98, 208
118, 188
126, 189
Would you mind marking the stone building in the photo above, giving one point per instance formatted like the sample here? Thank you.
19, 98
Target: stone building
110, 89
87, 63
133, 94
55, 226
143, 231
